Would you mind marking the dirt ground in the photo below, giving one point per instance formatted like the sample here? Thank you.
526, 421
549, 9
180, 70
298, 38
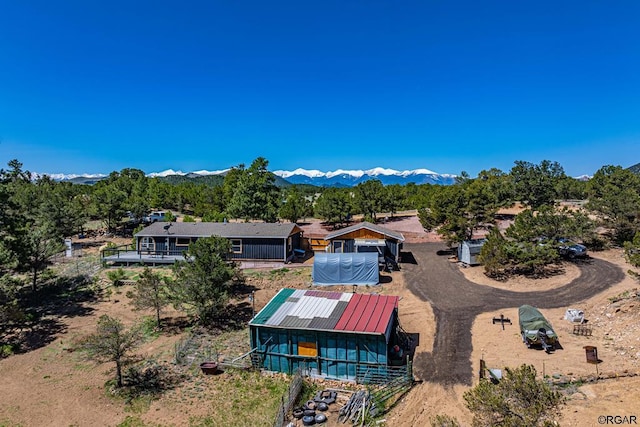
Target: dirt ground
53, 385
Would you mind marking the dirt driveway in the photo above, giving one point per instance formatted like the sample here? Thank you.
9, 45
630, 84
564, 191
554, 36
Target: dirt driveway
456, 302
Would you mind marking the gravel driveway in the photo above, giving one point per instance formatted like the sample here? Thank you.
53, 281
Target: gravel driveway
456, 302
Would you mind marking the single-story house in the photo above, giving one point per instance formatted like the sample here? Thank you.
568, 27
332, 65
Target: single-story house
166, 242
367, 237
333, 334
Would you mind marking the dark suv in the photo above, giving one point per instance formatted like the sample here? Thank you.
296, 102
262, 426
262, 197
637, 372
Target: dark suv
568, 249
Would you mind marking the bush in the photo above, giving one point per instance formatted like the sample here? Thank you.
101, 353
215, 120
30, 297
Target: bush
117, 276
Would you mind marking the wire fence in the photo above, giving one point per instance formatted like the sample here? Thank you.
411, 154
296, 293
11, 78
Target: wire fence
290, 397
77, 265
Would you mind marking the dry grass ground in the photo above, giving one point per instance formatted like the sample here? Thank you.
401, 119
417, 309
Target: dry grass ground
55, 386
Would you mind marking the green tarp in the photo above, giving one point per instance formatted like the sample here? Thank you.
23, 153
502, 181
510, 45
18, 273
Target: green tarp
531, 321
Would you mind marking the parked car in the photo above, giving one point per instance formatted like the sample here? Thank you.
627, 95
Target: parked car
567, 248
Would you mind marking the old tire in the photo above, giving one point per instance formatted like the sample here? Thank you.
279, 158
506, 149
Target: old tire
298, 413
309, 413
308, 420
322, 406
320, 418
310, 405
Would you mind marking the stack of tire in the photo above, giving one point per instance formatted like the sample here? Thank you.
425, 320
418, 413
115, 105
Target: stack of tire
312, 411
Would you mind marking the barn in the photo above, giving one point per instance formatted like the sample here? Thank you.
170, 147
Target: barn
333, 334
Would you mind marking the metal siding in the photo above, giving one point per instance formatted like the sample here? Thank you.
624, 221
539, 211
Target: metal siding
368, 314
262, 249
279, 315
331, 321
228, 230
273, 305
361, 311
292, 322
381, 316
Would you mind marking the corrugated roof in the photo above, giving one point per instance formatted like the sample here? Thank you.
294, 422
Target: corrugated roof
373, 227
222, 229
368, 313
326, 310
272, 306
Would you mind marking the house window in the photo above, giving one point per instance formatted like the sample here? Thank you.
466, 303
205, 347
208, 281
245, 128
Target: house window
183, 241
236, 246
289, 244
337, 247
147, 244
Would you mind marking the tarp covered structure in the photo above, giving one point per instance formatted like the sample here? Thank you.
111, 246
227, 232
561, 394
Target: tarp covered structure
535, 329
345, 269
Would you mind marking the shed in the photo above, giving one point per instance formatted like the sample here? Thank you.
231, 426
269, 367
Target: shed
345, 269
468, 251
367, 237
333, 334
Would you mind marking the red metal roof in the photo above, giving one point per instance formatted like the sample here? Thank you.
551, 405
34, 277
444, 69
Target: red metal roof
367, 313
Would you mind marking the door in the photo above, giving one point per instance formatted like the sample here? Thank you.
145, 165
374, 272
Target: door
337, 247
147, 244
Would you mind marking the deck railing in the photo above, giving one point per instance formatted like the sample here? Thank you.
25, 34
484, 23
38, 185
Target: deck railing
125, 251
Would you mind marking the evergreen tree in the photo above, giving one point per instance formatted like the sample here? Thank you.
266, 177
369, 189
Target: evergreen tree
202, 283
535, 185
112, 342
614, 194
149, 292
256, 195
519, 399
334, 205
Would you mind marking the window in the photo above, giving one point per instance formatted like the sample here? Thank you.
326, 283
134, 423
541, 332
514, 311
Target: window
183, 241
236, 246
307, 349
147, 244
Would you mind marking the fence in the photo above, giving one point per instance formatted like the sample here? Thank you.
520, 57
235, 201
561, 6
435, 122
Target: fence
387, 382
87, 266
381, 375
289, 398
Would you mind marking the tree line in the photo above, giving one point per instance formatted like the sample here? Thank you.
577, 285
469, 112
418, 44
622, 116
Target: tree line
608, 214
36, 213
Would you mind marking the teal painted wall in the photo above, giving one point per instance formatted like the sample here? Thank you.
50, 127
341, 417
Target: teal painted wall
337, 353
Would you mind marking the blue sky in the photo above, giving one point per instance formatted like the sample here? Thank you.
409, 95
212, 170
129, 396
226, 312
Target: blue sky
96, 86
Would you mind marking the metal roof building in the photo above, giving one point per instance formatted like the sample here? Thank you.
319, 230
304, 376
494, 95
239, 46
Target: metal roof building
332, 333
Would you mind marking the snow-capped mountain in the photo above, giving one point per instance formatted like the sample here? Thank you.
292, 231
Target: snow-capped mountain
336, 178
349, 178
170, 172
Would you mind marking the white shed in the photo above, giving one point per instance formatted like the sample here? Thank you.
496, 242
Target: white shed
468, 251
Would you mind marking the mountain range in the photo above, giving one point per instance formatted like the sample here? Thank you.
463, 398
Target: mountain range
337, 178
